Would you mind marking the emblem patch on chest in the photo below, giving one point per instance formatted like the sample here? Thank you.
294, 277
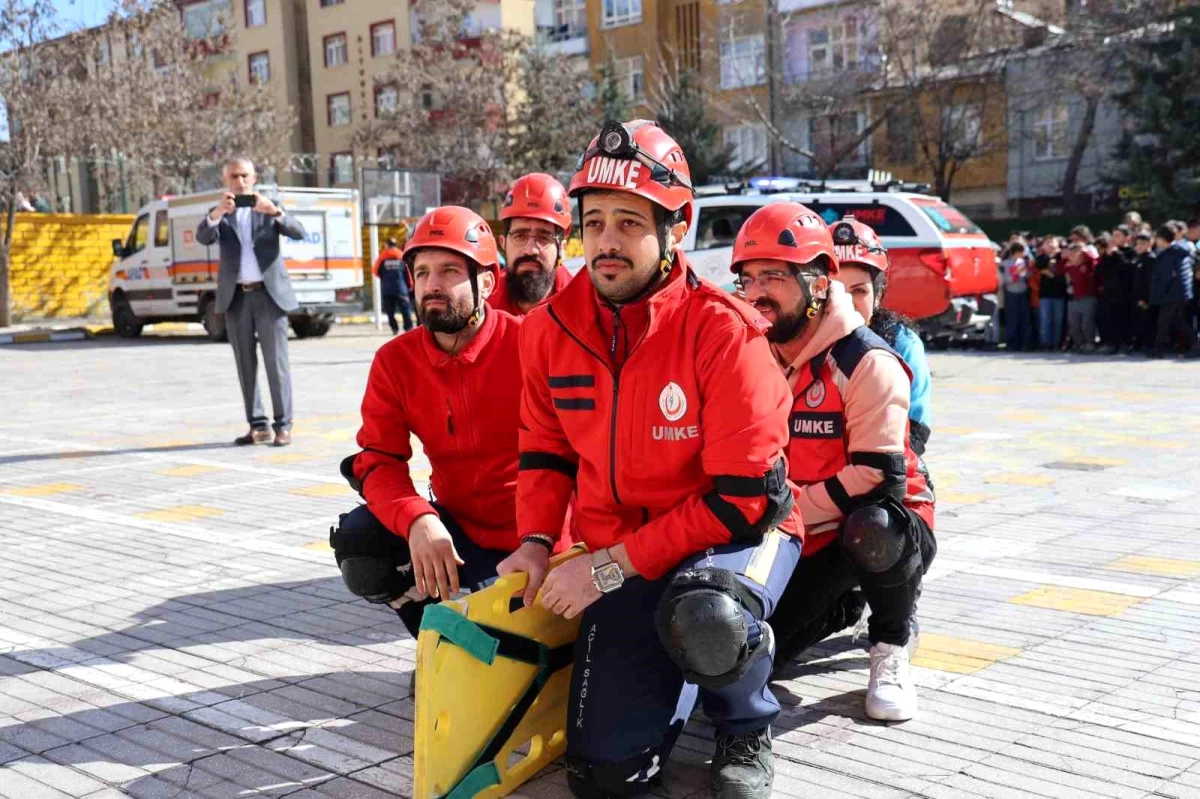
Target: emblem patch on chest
672, 402
815, 394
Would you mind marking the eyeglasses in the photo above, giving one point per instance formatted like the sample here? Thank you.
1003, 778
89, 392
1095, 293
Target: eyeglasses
540, 240
771, 279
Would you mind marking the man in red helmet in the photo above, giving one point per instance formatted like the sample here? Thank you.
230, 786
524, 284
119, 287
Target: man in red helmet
537, 221
455, 384
654, 395
867, 507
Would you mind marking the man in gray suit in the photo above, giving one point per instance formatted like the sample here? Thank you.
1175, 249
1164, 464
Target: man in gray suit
254, 293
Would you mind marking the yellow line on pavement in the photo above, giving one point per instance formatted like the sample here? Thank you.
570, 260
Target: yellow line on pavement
1170, 567
188, 471
327, 490
42, 490
181, 513
1076, 600
1019, 479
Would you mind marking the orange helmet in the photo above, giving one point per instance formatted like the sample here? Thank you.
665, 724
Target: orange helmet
783, 232
456, 229
539, 196
637, 157
857, 244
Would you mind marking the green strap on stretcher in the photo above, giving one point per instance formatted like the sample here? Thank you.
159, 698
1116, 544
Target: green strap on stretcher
484, 644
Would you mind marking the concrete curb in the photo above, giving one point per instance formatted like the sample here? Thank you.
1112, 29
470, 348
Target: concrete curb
43, 336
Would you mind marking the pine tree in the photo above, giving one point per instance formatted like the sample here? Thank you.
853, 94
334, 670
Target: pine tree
681, 107
1160, 150
611, 103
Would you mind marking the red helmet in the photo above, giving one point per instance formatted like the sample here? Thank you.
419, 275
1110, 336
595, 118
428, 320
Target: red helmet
637, 157
456, 229
539, 196
857, 244
783, 232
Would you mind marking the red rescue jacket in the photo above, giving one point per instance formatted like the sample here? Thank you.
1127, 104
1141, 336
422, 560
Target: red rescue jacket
464, 409
502, 300
667, 416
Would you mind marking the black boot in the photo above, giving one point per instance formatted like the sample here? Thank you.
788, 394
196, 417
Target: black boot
743, 766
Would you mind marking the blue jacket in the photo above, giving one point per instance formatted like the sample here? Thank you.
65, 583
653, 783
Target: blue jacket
909, 345
1171, 279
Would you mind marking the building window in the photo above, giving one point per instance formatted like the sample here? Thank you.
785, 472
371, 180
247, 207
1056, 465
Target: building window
830, 135
742, 62
206, 19
571, 15
386, 99
620, 12
103, 51
833, 48
328, 3
631, 77
962, 126
901, 139
1050, 131
336, 53
749, 144
260, 67
341, 168
338, 108
256, 13
383, 38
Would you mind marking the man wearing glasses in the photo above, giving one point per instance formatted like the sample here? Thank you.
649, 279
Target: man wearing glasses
867, 508
537, 221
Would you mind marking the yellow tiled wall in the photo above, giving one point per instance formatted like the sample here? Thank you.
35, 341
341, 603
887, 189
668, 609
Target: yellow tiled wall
60, 264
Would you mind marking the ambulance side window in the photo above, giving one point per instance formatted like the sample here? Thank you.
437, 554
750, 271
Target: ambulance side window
718, 225
162, 232
138, 236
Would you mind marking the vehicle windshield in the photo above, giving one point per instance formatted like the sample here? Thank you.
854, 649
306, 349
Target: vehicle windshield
949, 219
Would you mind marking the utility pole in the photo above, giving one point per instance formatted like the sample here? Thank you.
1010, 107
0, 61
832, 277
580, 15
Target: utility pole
774, 68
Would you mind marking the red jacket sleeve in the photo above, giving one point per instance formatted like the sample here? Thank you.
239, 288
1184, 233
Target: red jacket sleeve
382, 466
744, 409
548, 463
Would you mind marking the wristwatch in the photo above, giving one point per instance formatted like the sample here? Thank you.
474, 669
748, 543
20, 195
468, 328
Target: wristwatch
606, 572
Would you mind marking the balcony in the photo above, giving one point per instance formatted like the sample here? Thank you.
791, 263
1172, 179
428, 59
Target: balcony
861, 71
566, 40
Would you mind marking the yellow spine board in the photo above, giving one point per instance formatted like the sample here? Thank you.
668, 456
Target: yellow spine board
462, 702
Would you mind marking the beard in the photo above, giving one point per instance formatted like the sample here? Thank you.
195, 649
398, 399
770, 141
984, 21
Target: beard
530, 287
452, 318
786, 325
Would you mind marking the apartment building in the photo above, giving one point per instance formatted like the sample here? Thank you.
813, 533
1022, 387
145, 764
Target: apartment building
267, 47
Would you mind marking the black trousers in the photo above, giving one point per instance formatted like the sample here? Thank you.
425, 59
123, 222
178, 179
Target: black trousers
1173, 327
391, 303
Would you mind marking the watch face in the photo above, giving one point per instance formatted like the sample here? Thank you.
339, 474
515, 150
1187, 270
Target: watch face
608, 577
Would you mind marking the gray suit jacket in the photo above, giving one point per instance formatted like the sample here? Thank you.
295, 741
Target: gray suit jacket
266, 231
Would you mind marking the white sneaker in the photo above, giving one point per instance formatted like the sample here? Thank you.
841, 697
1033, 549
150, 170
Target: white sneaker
891, 695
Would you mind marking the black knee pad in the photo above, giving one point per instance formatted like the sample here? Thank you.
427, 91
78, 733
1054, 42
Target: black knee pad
589, 780
701, 621
879, 540
374, 562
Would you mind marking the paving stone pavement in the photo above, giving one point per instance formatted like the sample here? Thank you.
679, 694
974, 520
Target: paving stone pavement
172, 623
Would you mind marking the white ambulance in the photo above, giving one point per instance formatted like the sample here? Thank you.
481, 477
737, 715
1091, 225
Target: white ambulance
162, 274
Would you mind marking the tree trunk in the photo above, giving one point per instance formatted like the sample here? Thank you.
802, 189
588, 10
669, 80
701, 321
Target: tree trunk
1071, 176
10, 222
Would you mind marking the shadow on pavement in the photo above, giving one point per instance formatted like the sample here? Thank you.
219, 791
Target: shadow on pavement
266, 736
98, 453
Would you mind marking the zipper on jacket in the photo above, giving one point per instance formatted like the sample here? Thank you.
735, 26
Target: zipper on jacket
612, 433
449, 419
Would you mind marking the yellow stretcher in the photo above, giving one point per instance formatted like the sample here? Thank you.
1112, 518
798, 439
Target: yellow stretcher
492, 678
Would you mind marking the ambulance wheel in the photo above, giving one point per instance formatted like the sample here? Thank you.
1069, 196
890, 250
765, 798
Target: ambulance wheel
308, 327
125, 321
214, 323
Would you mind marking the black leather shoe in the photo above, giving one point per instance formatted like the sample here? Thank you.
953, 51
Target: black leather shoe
255, 436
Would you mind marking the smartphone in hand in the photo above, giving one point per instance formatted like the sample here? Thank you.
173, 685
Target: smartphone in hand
244, 201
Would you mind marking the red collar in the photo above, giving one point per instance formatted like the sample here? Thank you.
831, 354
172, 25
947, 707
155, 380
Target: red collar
469, 354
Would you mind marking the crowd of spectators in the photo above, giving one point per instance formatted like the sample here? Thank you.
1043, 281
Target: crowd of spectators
1132, 289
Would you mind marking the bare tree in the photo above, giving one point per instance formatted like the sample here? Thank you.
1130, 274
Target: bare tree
477, 106
945, 69
39, 82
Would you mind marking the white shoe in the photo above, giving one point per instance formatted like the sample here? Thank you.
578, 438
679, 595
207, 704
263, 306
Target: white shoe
891, 695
